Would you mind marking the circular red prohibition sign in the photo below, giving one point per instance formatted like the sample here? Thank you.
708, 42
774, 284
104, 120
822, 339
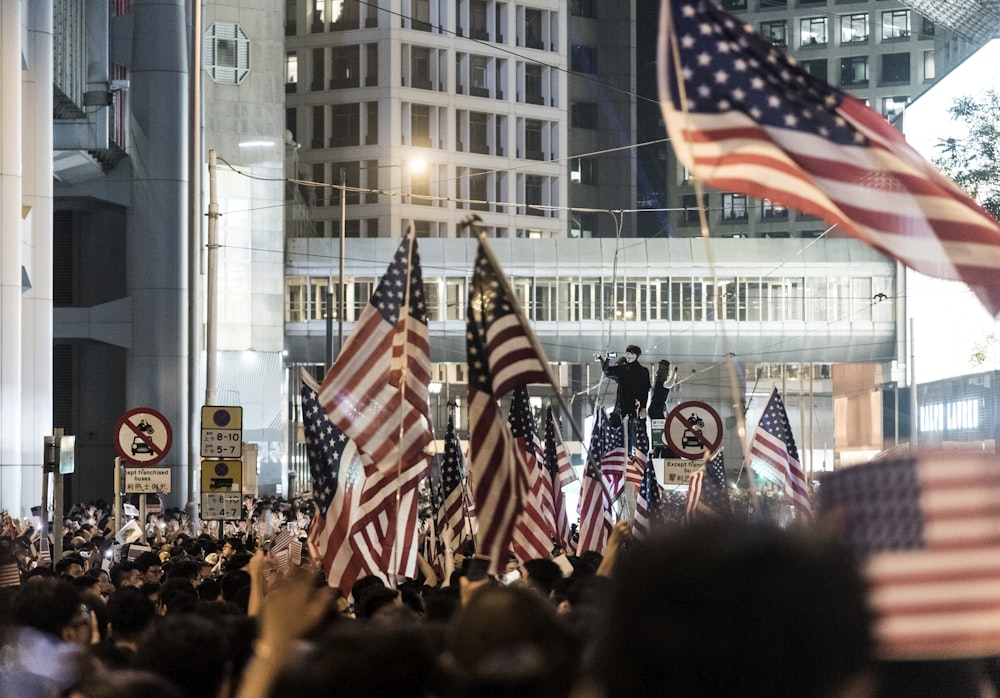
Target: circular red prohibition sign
143, 436
692, 428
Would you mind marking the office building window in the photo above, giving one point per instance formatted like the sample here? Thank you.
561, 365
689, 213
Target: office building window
854, 71
291, 71
479, 129
345, 125
533, 84
533, 29
930, 71
926, 28
318, 126
583, 170
734, 207
893, 106
420, 125
533, 140
734, 4
817, 68
895, 24
689, 202
533, 192
346, 67
812, 31
776, 32
318, 70
772, 211
477, 20
854, 28
584, 59
583, 115
895, 68
479, 76
583, 8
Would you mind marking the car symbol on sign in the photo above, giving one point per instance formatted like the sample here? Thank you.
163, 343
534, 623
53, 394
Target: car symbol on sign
140, 446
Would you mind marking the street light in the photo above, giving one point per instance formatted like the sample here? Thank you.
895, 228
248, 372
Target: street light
415, 166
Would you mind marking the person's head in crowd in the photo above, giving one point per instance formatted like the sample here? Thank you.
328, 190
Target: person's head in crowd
741, 609
126, 574
184, 569
542, 574
363, 661
236, 562
442, 604
103, 580
87, 585
508, 641
236, 588
190, 651
232, 546
130, 615
36, 573
178, 595
150, 567
209, 590
587, 563
54, 607
364, 585
205, 570
71, 565
375, 602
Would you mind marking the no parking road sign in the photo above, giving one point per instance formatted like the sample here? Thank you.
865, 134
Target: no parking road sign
143, 436
691, 429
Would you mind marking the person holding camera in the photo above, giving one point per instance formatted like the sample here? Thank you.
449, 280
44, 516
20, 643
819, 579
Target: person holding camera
633, 381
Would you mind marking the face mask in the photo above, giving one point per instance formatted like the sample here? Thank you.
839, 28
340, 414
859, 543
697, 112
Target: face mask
630, 357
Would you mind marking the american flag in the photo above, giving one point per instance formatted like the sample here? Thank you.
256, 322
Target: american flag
452, 515
381, 376
596, 519
636, 466
384, 530
774, 455
44, 549
337, 475
613, 457
535, 527
747, 119
501, 356
10, 575
557, 463
648, 505
708, 493
928, 530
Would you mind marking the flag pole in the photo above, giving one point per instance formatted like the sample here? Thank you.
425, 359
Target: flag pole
741, 426
481, 235
404, 318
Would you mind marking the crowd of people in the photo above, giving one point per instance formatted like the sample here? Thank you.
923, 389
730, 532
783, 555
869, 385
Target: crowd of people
725, 608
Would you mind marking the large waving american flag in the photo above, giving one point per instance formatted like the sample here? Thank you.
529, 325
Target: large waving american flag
743, 117
501, 356
380, 378
928, 531
774, 455
337, 475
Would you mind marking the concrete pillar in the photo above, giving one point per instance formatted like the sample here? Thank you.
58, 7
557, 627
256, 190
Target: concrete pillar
11, 199
36, 373
157, 242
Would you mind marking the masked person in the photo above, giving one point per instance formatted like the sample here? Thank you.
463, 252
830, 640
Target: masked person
633, 382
